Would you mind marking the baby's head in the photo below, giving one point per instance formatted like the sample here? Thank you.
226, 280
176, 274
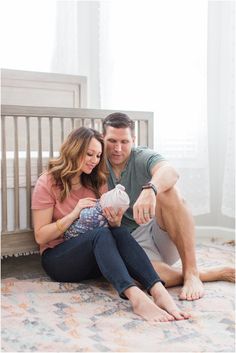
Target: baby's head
117, 198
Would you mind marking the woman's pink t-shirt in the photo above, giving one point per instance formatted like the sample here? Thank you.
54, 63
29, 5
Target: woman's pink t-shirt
46, 195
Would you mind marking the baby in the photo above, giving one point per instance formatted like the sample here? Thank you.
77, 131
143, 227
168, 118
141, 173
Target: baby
92, 217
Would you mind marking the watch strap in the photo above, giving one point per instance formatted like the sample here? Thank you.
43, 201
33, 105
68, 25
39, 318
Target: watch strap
150, 186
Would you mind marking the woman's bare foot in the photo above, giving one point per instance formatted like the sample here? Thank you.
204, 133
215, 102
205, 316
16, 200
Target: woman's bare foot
192, 289
145, 307
163, 300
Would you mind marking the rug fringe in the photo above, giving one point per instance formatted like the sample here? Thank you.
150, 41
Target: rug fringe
32, 252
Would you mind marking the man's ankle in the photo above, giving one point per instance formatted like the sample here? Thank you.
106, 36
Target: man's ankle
189, 273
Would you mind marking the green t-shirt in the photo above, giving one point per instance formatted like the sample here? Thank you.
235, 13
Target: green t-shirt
136, 173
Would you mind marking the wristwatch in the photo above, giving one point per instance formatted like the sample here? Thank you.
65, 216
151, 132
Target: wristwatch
150, 185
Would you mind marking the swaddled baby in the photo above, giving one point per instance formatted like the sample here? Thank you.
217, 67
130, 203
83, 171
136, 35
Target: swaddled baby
92, 217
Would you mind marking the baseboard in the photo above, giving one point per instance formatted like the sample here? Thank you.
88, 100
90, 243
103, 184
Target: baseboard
215, 233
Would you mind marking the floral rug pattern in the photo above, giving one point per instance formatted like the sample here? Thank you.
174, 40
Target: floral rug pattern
39, 315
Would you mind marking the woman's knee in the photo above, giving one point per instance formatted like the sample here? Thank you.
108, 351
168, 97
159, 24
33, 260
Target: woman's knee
101, 234
121, 232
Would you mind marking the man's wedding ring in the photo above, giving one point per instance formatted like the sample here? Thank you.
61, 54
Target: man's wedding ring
145, 212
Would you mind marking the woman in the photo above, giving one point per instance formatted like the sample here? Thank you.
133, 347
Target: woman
74, 181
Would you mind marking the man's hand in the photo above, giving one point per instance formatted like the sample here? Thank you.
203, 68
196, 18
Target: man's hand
144, 207
114, 219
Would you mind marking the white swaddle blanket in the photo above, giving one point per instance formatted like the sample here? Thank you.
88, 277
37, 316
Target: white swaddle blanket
117, 198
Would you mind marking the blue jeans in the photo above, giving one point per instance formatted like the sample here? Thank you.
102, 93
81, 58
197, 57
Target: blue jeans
111, 252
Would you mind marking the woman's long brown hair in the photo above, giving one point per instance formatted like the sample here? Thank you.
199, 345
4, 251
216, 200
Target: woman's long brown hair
72, 154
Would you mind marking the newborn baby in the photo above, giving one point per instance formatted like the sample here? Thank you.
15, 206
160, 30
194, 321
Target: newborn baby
92, 217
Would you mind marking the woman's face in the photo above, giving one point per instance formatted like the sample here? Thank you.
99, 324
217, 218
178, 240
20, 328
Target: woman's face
92, 157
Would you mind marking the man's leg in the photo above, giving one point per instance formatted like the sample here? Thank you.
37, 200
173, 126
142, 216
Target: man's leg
174, 217
174, 277
162, 251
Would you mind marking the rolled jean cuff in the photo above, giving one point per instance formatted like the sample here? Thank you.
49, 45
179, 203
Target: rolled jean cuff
156, 281
121, 293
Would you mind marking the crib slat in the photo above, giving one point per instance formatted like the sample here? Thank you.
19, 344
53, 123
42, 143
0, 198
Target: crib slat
4, 177
39, 161
16, 176
62, 129
139, 131
28, 175
142, 133
50, 138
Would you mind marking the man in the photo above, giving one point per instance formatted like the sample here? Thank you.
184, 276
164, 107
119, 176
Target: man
158, 217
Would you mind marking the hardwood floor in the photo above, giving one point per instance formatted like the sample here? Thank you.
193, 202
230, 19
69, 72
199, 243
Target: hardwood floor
22, 267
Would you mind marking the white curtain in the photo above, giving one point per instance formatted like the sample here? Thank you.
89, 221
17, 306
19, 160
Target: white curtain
153, 57
227, 104
27, 30
228, 200
76, 44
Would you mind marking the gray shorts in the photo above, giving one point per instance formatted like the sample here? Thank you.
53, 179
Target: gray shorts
156, 243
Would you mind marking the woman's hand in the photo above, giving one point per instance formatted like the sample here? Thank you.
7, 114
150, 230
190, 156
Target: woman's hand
83, 203
114, 219
45, 228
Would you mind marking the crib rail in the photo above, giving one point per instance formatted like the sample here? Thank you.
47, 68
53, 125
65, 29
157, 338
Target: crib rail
30, 136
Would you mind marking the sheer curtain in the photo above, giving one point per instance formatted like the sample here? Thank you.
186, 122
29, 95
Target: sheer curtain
227, 71
27, 34
76, 44
228, 199
153, 57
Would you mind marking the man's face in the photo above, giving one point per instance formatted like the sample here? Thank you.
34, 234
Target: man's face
118, 144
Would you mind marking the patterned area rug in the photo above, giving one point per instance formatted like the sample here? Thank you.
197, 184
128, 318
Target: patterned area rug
45, 316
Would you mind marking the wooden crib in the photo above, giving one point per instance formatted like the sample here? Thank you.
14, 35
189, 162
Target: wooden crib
30, 136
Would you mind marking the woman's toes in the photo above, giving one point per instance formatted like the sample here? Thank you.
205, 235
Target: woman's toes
177, 315
171, 318
180, 315
164, 319
185, 315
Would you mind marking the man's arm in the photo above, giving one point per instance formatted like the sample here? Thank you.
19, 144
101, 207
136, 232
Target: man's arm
164, 177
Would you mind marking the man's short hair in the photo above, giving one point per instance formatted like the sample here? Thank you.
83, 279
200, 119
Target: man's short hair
118, 120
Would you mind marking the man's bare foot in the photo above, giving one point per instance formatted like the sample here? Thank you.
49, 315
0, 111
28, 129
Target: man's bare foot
218, 274
163, 300
192, 289
145, 307
227, 274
